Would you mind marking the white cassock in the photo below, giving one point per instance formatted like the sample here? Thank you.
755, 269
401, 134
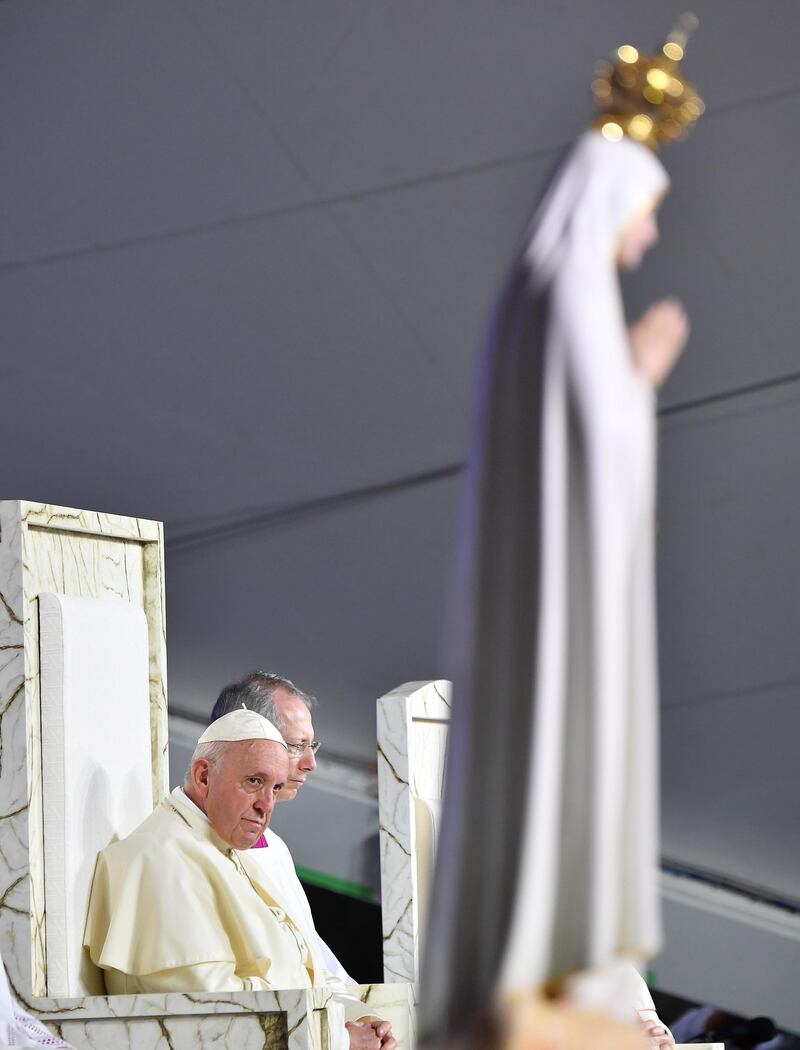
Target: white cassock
278, 867
174, 909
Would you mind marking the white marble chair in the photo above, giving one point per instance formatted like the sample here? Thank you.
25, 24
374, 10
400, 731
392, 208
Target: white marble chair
412, 738
413, 722
83, 671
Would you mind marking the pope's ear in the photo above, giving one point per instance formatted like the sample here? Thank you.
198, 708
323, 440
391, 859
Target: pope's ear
200, 769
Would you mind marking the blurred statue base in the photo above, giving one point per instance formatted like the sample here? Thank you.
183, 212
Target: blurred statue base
531, 1023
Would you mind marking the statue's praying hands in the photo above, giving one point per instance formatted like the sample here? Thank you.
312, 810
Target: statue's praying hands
657, 340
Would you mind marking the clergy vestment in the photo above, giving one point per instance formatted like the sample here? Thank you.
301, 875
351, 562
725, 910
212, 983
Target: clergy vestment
173, 909
275, 861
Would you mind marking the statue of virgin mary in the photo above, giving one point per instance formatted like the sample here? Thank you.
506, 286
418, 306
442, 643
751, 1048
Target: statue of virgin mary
547, 857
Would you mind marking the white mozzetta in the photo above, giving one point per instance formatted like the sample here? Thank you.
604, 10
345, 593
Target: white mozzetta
96, 766
412, 737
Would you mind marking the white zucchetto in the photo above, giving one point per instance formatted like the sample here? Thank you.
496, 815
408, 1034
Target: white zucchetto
242, 725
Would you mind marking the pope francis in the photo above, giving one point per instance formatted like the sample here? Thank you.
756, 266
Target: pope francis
179, 905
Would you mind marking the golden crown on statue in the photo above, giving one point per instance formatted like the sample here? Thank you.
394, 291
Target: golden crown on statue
645, 96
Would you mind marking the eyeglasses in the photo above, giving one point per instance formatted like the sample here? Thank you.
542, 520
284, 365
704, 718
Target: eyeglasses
299, 748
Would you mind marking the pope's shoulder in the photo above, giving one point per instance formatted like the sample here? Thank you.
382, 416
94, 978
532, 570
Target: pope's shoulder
158, 835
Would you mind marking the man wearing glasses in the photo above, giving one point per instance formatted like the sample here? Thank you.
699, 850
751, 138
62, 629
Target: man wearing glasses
281, 702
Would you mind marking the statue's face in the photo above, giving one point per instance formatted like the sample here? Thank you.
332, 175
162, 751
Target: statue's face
639, 235
239, 793
297, 729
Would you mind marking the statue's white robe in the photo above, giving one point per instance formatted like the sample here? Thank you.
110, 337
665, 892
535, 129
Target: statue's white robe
548, 850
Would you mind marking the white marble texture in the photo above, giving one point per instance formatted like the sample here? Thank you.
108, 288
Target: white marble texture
291, 1019
256, 1032
412, 738
21, 940
251, 1020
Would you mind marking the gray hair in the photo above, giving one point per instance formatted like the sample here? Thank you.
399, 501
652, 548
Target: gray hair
256, 690
212, 751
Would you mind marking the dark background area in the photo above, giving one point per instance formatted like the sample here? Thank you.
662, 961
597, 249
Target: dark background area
354, 927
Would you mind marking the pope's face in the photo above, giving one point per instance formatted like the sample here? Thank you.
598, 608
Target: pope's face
639, 235
297, 729
239, 793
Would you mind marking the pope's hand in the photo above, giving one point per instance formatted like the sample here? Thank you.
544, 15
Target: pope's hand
362, 1036
657, 340
383, 1030
370, 1035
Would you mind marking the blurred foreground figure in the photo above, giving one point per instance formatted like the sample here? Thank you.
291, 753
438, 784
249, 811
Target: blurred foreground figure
547, 860
17, 1027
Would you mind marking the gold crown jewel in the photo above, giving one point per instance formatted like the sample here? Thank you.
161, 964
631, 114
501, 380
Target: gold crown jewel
645, 96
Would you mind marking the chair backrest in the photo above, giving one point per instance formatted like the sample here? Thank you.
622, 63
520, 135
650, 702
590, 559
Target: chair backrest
96, 768
80, 738
412, 739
